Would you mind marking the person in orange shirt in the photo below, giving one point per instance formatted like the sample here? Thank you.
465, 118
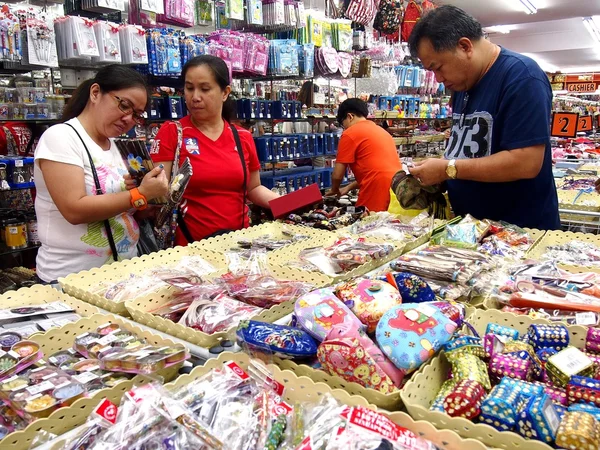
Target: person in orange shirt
370, 152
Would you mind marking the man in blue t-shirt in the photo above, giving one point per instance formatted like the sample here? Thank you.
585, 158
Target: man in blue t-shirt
498, 161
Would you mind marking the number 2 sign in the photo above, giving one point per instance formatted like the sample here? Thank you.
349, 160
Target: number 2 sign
564, 124
585, 123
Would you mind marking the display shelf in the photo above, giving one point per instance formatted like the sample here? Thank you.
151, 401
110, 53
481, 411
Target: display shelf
423, 387
7, 251
38, 121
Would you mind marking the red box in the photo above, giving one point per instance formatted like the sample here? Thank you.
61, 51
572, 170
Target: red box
286, 205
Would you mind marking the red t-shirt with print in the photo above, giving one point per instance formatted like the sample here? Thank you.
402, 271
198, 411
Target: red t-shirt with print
213, 198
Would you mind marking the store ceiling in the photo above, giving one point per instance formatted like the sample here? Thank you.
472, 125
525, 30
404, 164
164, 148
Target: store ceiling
554, 36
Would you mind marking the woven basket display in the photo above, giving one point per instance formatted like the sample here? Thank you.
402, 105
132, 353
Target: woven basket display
296, 390
422, 388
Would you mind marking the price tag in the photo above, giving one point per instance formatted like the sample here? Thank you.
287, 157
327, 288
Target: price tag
85, 377
45, 386
585, 318
18, 163
585, 123
564, 124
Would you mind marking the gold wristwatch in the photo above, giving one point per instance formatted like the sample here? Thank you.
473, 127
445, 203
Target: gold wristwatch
451, 169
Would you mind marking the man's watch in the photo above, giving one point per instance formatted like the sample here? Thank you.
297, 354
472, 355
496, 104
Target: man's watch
138, 201
451, 169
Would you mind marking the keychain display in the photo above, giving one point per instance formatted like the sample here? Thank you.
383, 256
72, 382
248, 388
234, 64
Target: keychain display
109, 45
133, 44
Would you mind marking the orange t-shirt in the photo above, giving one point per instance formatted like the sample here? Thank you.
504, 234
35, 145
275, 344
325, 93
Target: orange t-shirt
371, 153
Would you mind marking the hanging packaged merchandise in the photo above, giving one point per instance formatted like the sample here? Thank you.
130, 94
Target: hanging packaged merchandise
290, 13
387, 20
300, 14
223, 52
234, 9
41, 42
163, 47
109, 45
138, 16
283, 59
342, 35
255, 12
235, 42
178, 12
256, 54
78, 38
133, 44
306, 55
204, 12
103, 6
362, 11
273, 12
412, 14
192, 46
152, 6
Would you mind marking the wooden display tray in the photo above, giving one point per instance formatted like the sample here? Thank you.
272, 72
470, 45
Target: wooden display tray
62, 338
296, 390
227, 242
423, 387
562, 237
83, 284
280, 257
139, 309
40, 294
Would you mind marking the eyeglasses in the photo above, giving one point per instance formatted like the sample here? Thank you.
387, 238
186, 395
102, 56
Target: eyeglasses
127, 108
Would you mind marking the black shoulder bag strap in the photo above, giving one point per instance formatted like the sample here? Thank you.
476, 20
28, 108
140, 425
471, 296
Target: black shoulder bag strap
240, 150
109, 235
238, 143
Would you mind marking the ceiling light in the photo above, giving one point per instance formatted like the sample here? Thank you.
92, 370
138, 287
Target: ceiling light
528, 6
592, 24
501, 29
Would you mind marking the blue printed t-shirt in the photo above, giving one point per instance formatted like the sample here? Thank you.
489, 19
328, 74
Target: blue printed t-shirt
509, 108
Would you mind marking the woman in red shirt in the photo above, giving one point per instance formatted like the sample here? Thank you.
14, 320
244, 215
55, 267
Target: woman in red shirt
215, 199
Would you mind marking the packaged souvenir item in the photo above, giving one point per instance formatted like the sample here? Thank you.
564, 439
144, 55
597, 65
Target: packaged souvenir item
368, 299
350, 354
410, 334
412, 288
319, 311
283, 341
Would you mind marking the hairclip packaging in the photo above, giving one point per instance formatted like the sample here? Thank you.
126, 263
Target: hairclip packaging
164, 49
133, 44
109, 45
41, 41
